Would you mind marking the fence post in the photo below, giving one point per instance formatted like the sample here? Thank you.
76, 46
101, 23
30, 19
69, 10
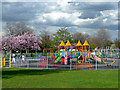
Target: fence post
70, 64
96, 60
21, 62
96, 64
27, 62
47, 60
47, 63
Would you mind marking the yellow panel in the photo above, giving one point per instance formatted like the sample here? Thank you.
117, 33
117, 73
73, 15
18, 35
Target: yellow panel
68, 43
85, 43
62, 43
79, 43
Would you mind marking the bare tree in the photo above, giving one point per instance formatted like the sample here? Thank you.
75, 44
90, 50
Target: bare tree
45, 39
18, 28
103, 35
80, 36
95, 41
117, 43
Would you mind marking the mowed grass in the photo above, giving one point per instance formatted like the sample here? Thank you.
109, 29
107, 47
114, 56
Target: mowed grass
36, 78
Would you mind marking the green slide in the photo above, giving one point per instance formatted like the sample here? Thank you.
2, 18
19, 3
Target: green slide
95, 60
57, 59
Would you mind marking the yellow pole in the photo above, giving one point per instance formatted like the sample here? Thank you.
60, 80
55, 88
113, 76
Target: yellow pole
1, 62
4, 61
47, 55
10, 59
85, 54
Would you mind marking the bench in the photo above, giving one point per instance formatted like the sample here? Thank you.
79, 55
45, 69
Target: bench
83, 65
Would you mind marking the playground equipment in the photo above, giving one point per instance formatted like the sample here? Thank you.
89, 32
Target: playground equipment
44, 59
2, 58
84, 53
65, 55
76, 56
110, 63
2, 61
107, 55
86, 49
65, 52
68, 52
95, 58
79, 57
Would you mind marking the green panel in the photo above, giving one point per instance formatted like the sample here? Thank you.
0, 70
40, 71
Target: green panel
57, 59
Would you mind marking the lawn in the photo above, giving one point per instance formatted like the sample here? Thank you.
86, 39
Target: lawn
36, 78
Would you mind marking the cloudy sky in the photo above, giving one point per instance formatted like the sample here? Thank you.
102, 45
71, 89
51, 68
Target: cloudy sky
88, 17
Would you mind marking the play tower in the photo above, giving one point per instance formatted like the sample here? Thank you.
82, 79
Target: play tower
68, 52
68, 48
86, 51
79, 49
61, 50
85, 48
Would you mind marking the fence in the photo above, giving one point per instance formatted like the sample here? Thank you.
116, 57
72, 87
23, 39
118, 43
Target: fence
48, 63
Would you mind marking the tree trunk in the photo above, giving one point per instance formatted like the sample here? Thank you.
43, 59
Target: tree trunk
26, 51
36, 53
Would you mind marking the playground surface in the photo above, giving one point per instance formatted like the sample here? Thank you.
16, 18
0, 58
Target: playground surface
44, 78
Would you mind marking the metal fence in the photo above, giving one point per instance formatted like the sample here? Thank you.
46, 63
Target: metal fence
46, 64
38, 63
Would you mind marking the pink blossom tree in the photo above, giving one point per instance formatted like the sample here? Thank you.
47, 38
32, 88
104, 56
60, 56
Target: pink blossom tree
23, 42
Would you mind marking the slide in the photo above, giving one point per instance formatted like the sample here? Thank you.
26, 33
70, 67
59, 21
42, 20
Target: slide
95, 58
57, 59
99, 61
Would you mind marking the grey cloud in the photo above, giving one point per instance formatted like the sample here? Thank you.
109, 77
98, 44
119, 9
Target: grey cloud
92, 10
17, 11
22, 11
27, 12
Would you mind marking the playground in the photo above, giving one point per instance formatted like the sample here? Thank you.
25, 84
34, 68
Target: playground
62, 44
67, 57
71, 66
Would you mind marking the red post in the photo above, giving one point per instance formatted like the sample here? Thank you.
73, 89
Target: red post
62, 60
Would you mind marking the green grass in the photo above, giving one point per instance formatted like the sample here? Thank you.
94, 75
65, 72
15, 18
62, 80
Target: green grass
36, 78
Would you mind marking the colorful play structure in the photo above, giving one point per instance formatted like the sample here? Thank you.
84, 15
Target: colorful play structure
78, 56
2, 61
66, 55
107, 54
